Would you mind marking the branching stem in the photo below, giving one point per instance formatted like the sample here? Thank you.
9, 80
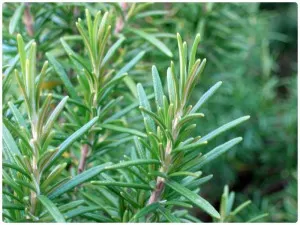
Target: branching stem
160, 181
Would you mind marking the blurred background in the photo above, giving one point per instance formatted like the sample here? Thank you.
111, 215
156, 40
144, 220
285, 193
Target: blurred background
251, 47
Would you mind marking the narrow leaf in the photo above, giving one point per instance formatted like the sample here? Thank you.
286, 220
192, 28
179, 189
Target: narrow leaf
145, 103
130, 64
123, 130
153, 40
112, 50
194, 198
53, 210
62, 74
78, 179
158, 89
70, 140
206, 96
145, 211
217, 152
15, 19
54, 115
224, 128
122, 184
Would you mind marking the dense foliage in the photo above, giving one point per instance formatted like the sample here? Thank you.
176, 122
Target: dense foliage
103, 105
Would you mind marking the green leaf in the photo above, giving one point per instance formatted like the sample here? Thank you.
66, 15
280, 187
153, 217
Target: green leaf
7, 205
189, 146
15, 167
139, 148
258, 217
206, 96
78, 179
70, 140
158, 89
153, 116
124, 111
178, 203
130, 64
145, 211
230, 203
112, 50
182, 64
62, 74
19, 118
73, 55
194, 51
223, 128
30, 76
14, 61
216, 152
189, 117
122, 184
132, 163
153, 40
54, 115
53, 210
22, 53
80, 211
171, 87
63, 208
168, 215
145, 103
240, 207
9, 142
194, 198
53, 175
130, 83
15, 19
123, 130
97, 217
112, 83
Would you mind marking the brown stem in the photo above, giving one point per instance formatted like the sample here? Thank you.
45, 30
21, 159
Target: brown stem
28, 20
160, 182
155, 195
84, 154
120, 22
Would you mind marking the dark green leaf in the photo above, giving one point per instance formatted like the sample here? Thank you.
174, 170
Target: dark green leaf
62, 74
53, 210
194, 198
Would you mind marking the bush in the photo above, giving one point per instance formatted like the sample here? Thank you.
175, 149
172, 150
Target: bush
92, 139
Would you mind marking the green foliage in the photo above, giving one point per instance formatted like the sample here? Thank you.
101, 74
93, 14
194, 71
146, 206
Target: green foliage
91, 136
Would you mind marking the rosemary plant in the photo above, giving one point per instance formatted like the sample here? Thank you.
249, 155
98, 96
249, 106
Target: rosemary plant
33, 168
159, 177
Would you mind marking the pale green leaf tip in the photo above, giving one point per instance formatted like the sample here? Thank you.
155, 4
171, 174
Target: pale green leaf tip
239, 139
247, 117
217, 215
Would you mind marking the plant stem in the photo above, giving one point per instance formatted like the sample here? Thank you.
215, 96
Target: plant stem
28, 21
84, 154
160, 181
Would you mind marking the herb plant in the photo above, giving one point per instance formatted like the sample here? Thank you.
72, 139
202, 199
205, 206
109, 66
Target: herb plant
84, 143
